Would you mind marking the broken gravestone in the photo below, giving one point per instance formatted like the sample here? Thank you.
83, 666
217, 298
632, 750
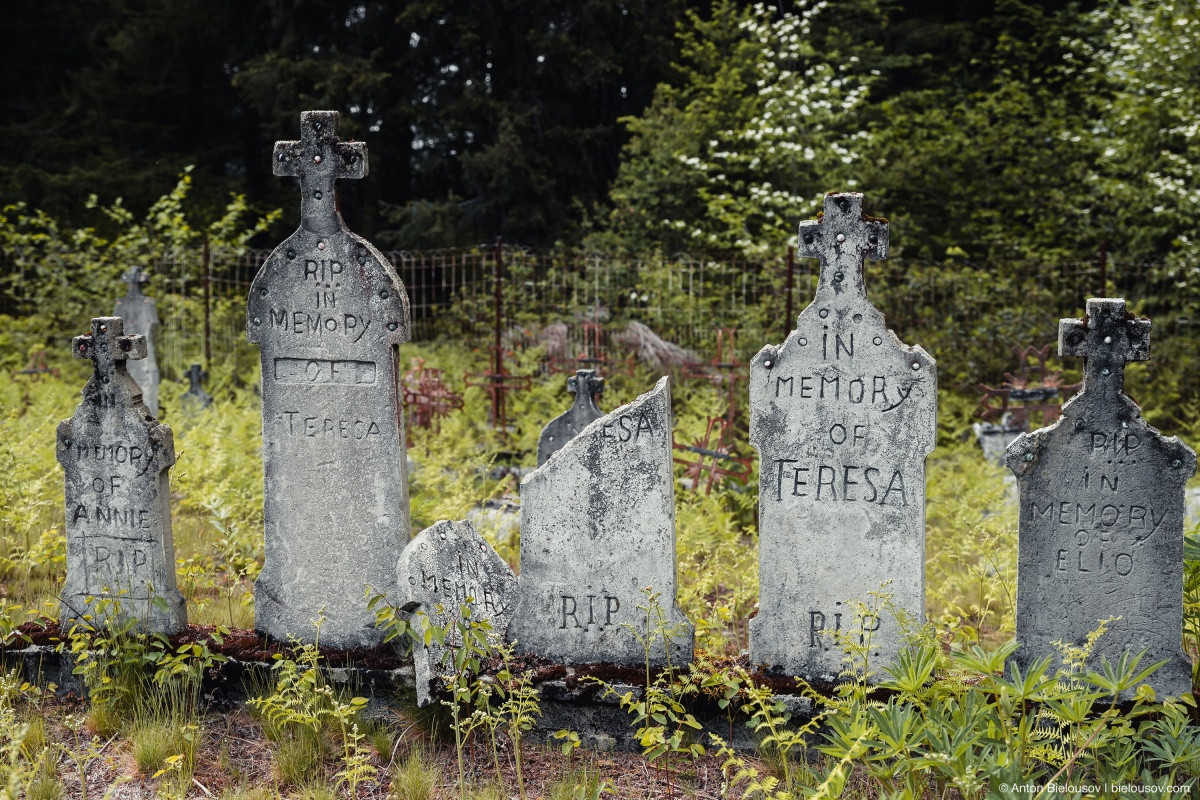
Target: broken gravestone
585, 384
141, 317
843, 415
445, 567
327, 311
195, 399
115, 457
597, 527
1101, 521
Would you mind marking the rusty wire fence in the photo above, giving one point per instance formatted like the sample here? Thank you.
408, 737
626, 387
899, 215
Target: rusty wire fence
968, 316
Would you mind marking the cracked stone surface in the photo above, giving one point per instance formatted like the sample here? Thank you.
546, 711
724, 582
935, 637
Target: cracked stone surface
115, 457
598, 525
843, 415
327, 312
1101, 513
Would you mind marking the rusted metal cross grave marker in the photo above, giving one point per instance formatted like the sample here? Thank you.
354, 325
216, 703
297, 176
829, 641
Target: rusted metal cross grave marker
497, 382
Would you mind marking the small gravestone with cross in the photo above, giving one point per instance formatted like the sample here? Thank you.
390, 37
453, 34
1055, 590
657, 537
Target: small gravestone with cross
328, 311
141, 317
585, 384
1101, 520
195, 398
115, 457
843, 415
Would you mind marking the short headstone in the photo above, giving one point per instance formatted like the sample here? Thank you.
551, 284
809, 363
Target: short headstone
585, 384
195, 398
115, 457
1101, 520
597, 526
141, 317
445, 567
327, 311
843, 415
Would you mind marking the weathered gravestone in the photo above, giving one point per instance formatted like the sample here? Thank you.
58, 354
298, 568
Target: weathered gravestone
1101, 521
328, 311
585, 384
115, 457
195, 398
597, 526
843, 415
141, 317
445, 567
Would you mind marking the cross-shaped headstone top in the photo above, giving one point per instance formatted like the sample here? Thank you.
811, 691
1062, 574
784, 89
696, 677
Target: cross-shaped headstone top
843, 237
1106, 338
195, 376
136, 278
319, 159
108, 347
583, 384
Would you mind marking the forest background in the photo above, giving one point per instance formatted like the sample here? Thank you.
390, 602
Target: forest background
987, 132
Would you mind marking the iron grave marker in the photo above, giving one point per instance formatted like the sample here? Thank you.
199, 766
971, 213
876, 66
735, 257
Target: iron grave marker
843, 415
141, 317
1101, 520
585, 384
115, 457
328, 312
445, 567
597, 526
195, 399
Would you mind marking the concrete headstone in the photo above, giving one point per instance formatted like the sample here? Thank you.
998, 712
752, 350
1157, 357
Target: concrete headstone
327, 311
843, 415
115, 457
445, 567
141, 317
597, 526
585, 384
195, 398
1101, 512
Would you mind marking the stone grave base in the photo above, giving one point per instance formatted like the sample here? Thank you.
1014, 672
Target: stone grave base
570, 697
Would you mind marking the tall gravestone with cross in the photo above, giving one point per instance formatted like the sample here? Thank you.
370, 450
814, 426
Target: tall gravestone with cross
328, 311
141, 317
843, 415
585, 384
115, 457
1101, 519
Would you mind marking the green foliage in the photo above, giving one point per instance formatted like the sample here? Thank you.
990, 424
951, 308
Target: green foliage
416, 777
1143, 60
305, 718
68, 276
760, 122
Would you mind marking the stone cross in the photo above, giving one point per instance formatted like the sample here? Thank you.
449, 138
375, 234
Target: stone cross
842, 238
141, 317
1100, 531
328, 311
195, 397
1105, 339
115, 457
445, 567
598, 526
585, 384
843, 415
318, 160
